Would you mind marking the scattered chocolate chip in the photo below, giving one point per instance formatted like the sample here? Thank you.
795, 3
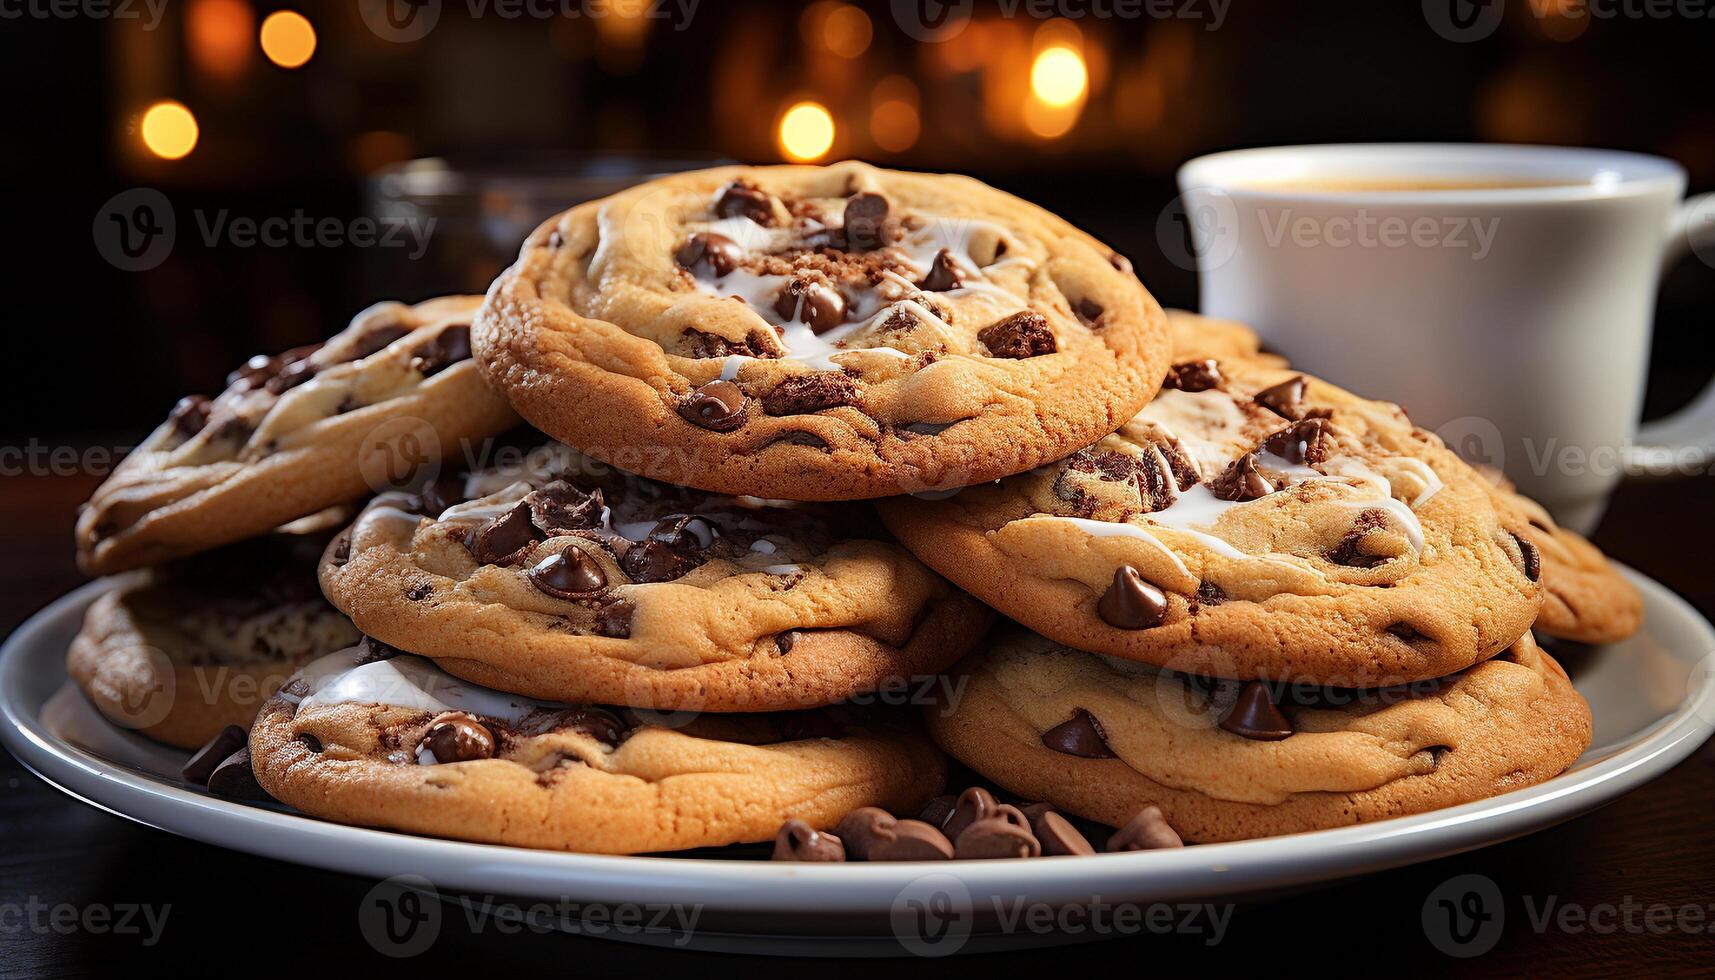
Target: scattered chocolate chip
1147, 831
1350, 550
613, 619
938, 811
865, 220
811, 301
342, 549
784, 642
1081, 735
872, 834
563, 506
1057, 835
569, 574
656, 561
1130, 603
1090, 312
1285, 399
803, 394
798, 841
719, 406
1006, 834
1303, 443
714, 253
972, 805
1194, 375
1023, 334
448, 347
1241, 480
229, 740
1532, 558
1210, 594
504, 540
743, 200
419, 592
189, 415
943, 273
233, 779
1254, 715
457, 737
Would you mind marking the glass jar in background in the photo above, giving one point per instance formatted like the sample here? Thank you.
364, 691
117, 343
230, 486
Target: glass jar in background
455, 225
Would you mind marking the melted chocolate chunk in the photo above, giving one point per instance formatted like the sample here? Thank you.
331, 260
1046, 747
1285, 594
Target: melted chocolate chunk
1305, 443
803, 394
1242, 480
1254, 715
696, 343
1532, 558
377, 339
1023, 334
1081, 735
562, 506
1194, 376
439, 495
811, 301
719, 406
613, 619
1349, 552
569, 574
1130, 603
1285, 399
598, 723
449, 347
1137, 483
504, 540
709, 253
292, 369
741, 199
657, 561
458, 737
943, 273
865, 221
189, 415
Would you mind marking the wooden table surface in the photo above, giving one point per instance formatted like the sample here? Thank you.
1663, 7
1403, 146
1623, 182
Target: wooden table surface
1643, 868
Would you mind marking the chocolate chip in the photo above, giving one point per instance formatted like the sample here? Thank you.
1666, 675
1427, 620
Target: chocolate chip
743, 200
1302, 443
943, 274
803, 394
342, 549
570, 574
563, 506
439, 495
972, 805
1147, 831
865, 220
1081, 735
798, 841
1254, 715
872, 834
811, 301
784, 642
656, 561
713, 252
719, 406
1057, 835
613, 619
1350, 550
1023, 334
1210, 594
229, 740
1090, 312
419, 592
600, 724
377, 339
1532, 558
458, 737
448, 347
233, 778
1006, 834
290, 376
1130, 603
685, 532
1285, 399
505, 540
939, 810
1242, 480
1194, 375
189, 415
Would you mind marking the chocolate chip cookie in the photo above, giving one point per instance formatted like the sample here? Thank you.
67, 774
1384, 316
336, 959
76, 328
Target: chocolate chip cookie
296, 433
367, 737
185, 649
1225, 760
820, 333
555, 575
1197, 337
1251, 522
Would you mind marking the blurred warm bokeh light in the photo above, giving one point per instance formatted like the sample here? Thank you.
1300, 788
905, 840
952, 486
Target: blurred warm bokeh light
217, 36
806, 131
288, 39
1058, 77
169, 130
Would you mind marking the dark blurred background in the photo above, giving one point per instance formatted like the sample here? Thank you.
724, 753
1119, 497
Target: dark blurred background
1087, 113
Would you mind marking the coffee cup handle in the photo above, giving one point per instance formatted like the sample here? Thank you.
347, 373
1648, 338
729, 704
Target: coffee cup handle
1683, 443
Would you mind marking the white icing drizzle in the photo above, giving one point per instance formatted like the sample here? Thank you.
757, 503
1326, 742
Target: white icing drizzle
407, 681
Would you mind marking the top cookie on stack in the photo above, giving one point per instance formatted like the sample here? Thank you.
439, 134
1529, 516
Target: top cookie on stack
820, 333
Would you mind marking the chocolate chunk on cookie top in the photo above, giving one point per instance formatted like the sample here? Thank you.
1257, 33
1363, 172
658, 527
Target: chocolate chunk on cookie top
372, 737
820, 333
561, 577
1254, 523
294, 434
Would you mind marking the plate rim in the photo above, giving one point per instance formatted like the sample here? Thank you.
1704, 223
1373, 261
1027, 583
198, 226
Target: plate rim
1203, 871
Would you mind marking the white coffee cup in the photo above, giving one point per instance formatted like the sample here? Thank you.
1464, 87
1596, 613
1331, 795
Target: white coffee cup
1503, 294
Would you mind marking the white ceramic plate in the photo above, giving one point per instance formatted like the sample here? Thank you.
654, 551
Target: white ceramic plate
1653, 698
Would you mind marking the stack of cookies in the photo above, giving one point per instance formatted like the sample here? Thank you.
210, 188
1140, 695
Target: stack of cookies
664, 614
